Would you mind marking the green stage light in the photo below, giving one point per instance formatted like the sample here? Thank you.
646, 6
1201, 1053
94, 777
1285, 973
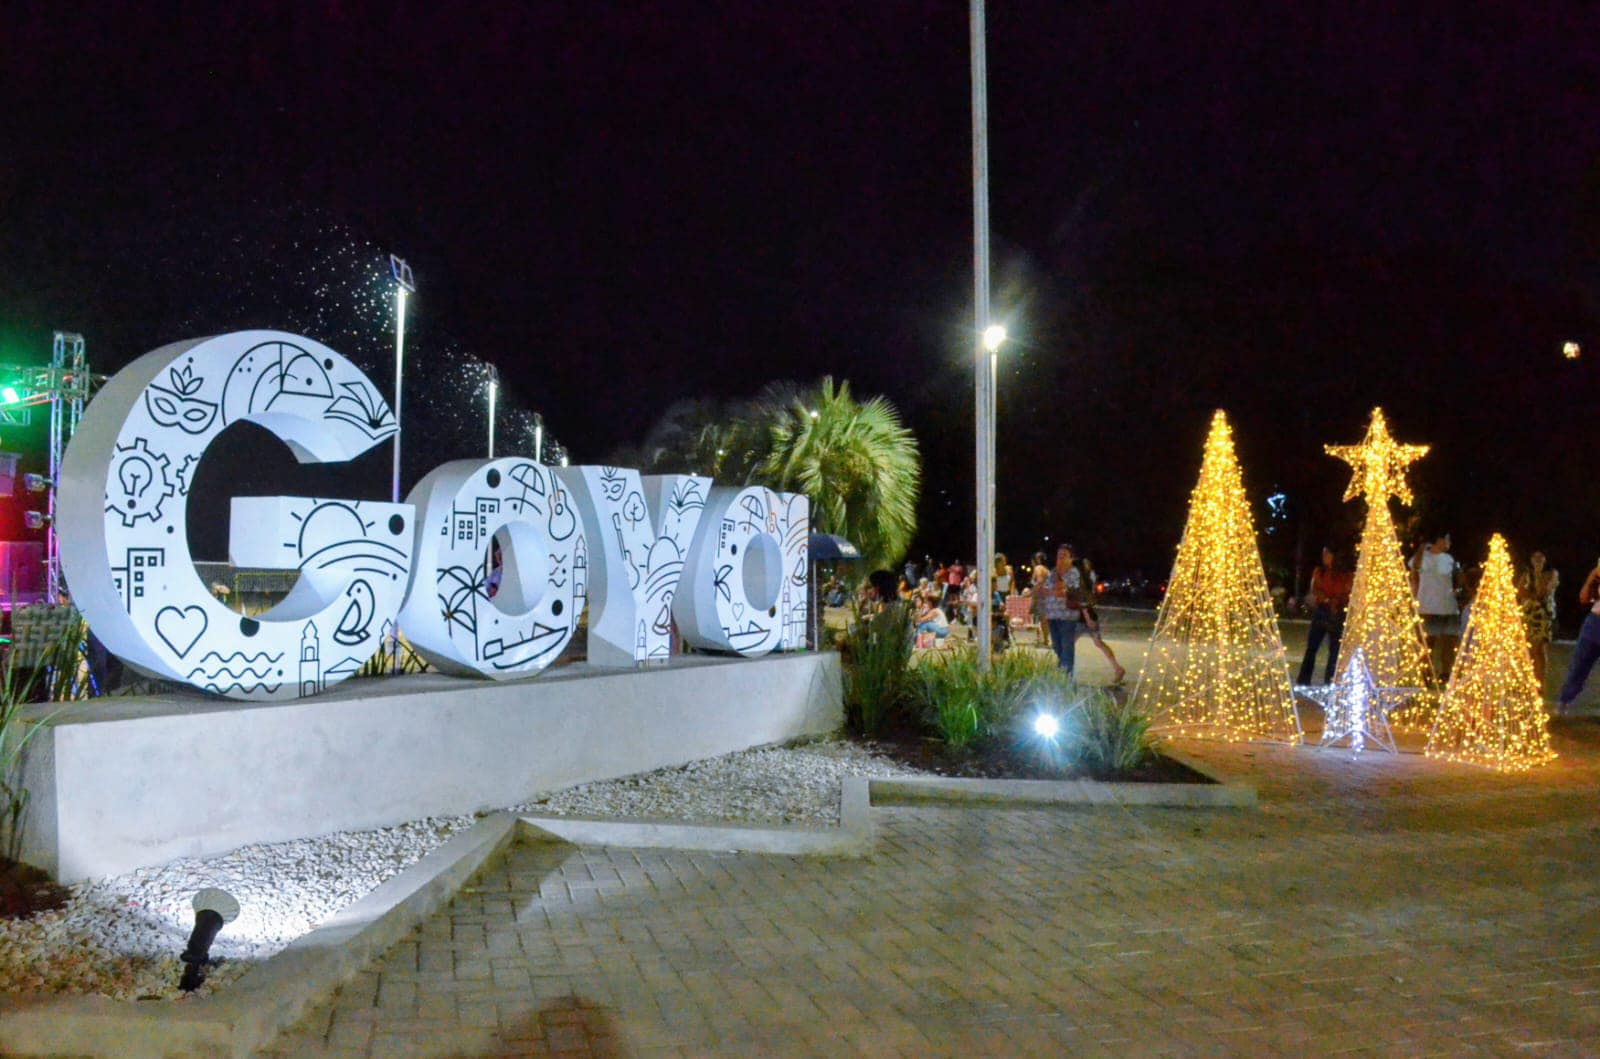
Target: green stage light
9, 394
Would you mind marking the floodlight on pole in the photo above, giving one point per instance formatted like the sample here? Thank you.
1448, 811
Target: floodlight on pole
494, 391
404, 285
994, 336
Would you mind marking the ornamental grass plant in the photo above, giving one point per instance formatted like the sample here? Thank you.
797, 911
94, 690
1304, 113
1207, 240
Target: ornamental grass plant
54, 671
965, 706
1105, 735
876, 653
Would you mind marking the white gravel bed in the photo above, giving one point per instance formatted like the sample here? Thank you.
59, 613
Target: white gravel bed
121, 936
796, 784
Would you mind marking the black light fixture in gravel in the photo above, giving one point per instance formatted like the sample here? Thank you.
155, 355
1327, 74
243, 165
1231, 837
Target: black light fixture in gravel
212, 909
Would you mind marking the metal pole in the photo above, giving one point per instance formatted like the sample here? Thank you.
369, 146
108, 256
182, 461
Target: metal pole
399, 368
984, 359
538, 438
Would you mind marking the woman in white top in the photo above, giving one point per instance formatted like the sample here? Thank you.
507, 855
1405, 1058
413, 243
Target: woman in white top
1435, 575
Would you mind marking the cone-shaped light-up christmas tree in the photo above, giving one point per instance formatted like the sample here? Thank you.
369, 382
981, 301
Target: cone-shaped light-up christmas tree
1216, 665
1383, 623
1492, 713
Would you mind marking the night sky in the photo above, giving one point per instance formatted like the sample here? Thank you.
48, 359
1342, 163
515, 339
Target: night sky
1290, 211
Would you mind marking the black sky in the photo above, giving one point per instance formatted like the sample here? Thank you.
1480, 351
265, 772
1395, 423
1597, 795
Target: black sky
1291, 211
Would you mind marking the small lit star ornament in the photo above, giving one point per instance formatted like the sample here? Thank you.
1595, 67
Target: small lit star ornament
1492, 713
1216, 667
1355, 708
1379, 463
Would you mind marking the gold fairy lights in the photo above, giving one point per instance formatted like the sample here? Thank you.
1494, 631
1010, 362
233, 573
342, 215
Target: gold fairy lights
1382, 622
1492, 713
1216, 666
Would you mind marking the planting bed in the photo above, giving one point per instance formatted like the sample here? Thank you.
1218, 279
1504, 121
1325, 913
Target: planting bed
998, 762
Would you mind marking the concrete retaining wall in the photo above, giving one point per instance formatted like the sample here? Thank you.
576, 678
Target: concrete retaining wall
119, 784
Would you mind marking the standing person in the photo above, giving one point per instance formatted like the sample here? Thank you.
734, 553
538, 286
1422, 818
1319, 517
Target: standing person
911, 571
1435, 576
1059, 601
1037, 572
1330, 596
969, 604
1587, 650
1536, 588
954, 575
1091, 620
1002, 580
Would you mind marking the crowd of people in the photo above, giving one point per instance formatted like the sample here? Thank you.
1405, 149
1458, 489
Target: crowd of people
1060, 593
1059, 597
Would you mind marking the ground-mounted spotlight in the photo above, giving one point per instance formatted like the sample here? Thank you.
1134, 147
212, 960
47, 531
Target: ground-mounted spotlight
35, 483
35, 520
212, 909
1046, 726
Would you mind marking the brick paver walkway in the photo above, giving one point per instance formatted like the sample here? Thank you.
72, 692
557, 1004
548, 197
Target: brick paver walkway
1386, 905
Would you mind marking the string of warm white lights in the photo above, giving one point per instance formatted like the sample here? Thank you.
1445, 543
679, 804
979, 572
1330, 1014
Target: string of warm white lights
1216, 666
1383, 624
1492, 713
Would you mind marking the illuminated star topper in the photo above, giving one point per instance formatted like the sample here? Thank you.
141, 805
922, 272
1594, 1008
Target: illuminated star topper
1379, 463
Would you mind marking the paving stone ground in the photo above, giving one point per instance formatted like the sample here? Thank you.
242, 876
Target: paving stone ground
1383, 905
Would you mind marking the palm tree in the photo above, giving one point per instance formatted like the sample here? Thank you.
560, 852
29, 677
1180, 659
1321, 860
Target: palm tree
856, 461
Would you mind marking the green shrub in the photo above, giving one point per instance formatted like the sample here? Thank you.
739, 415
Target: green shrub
950, 691
1107, 736
876, 655
1020, 683
964, 705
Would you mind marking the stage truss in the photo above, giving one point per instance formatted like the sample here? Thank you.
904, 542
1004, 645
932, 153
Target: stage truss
65, 386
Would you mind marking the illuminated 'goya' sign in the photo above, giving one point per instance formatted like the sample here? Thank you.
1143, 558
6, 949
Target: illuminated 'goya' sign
726, 567
124, 498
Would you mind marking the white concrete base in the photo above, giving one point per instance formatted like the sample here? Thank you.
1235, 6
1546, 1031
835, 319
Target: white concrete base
119, 783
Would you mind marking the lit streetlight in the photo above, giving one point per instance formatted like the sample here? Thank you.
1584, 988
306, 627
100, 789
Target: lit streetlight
404, 285
494, 391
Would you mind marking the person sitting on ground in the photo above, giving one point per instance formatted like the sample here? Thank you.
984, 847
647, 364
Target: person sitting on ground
930, 618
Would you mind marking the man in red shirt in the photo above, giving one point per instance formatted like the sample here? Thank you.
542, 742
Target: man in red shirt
1330, 595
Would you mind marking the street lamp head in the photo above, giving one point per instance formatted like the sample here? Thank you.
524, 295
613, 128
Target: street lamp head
813, 413
993, 337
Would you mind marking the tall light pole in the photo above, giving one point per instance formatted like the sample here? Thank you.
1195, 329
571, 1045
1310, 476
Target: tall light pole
494, 391
404, 285
538, 438
983, 362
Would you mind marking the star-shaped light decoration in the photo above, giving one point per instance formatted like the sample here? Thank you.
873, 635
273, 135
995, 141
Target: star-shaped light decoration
1354, 707
1379, 463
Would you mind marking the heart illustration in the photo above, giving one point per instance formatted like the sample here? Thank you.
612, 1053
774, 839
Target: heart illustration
182, 628
738, 611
